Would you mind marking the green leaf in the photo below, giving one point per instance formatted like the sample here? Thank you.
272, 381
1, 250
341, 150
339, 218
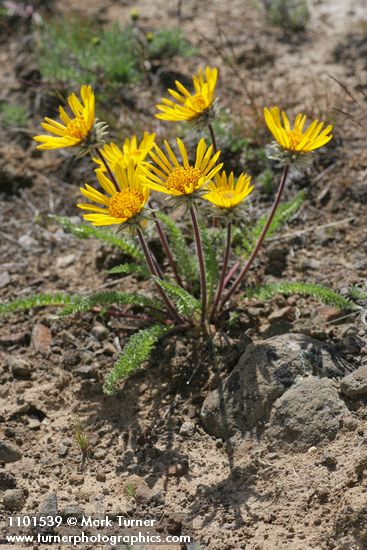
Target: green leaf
83, 231
38, 300
211, 263
357, 292
107, 298
186, 264
324, 294
137, 350
185, 302
129, 269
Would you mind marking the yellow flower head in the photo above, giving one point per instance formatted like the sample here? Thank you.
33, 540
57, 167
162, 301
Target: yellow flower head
131, 150
190, 106
74, 130
118, 206
296, 139
226, 193
172, 178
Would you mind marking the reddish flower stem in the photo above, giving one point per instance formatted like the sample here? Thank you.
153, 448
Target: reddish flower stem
154, 271
261, 238
107, 166
167, 249
212, 135
223, 272
199, 249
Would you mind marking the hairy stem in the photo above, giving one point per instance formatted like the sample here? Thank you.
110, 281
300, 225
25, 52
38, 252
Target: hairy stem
212, 135
222, 279
167, 249
154, 271
199, 249
261, 238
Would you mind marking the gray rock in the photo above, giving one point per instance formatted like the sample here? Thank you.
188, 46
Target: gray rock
264, 372
14, 499
8, 453
7, 481
19, 367
49, 505
306, 414
354, 385
187, 428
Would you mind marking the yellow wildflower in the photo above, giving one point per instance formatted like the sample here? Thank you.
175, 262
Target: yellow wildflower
73, 131
119, 206
131, 150
172, 178
296, 139
191, 106
226, 193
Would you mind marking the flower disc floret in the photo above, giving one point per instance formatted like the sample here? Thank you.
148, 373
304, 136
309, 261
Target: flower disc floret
296, 139
167, 175
72, 131
190, 106
120, 205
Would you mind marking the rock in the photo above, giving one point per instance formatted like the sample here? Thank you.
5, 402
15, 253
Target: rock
131, 483
179, 469
14, 339
65, 261
143, 494
99, 331
264, 372
7, 481
19, 367
101, 476
284, 314
41, 338
8, 453
27, 242
14, 499
306, 415
99, 454
354, 385
76, 479
48, 507
187, 429
74, 510
62, 451
4, 279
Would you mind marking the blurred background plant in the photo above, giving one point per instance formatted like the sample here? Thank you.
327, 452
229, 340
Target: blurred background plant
13, 116
290, 15
71, 51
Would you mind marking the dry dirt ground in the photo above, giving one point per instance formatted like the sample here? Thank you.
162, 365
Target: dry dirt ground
150, 454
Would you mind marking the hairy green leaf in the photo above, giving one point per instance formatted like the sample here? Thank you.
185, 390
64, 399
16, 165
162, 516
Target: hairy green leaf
324, 294
358, 293
83, 231
129, 269
38, 300
185, 302
107, 298
186, 264
137, 350
211, 262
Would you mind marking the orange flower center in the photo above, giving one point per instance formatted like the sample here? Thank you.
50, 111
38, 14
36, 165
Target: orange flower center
184, 180
77, 128
197, 103
295, 138
126, 204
